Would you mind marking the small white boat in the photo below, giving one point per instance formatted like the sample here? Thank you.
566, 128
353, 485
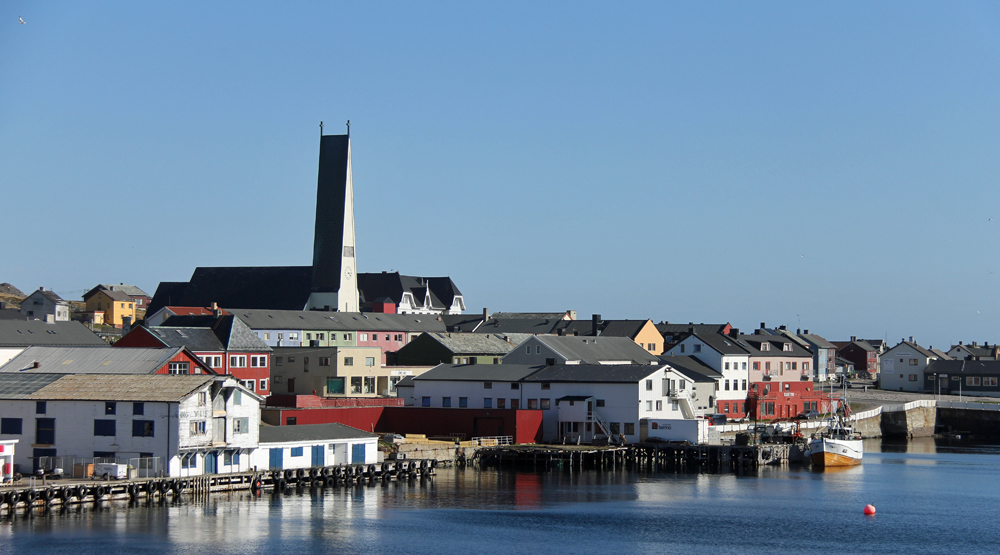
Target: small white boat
839, 445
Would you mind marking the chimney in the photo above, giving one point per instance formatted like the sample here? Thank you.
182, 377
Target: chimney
911, 339
806, 332
854, 338
486, 314
595, 324
734, 332
50, 318
798, 331
782, 327
41, 289
763, 325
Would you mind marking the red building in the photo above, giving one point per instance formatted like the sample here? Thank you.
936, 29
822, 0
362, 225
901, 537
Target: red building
223, 342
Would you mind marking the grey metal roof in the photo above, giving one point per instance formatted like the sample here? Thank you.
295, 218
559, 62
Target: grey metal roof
478, 372
311, 432
24, 333
593, 350
130, 290
336, 321
22, 386
667, 328
196, 332
48, 294
195, 339
693, 368
593, 373
753, 344
116, 387
534, 326
91, 360
916, 348
963, 367
605, 328
817, 341
722, 343
471, 343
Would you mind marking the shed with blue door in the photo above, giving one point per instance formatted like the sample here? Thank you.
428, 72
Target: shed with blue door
313, 445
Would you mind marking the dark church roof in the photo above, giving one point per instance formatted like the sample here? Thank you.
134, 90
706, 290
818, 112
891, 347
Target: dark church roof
393, 285
260, 287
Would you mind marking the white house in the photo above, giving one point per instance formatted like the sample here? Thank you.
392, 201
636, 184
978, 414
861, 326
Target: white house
726, 356
476, 386
554, 349
314, 445
45, 305
195, 424
903, 367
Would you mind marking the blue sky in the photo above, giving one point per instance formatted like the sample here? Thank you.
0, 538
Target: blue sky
830, 167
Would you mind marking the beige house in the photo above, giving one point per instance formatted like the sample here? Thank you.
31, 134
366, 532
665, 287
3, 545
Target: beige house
336, 372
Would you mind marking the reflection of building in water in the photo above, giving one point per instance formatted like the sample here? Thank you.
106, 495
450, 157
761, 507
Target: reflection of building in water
527, 491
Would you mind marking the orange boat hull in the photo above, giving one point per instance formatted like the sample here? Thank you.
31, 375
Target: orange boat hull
833, 459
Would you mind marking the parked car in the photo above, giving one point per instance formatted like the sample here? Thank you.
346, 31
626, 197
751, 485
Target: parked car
717, 419
807, 414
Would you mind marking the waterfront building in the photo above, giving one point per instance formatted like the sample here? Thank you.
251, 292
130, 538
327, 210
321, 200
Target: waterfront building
974, 351
18, 335
195, 424
222, 341
862, 355
551, 349
313, 445
903, 367
705, 392
45, 305
963, 377
730, 360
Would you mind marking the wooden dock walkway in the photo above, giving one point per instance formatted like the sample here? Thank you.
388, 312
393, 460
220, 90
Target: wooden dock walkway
653, 456
22, 498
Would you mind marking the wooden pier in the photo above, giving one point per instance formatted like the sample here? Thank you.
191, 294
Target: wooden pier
650, 456
17, 498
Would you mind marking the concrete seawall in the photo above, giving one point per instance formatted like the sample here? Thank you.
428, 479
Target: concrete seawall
923, 418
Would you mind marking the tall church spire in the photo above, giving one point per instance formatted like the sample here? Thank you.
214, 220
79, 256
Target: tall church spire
334, 268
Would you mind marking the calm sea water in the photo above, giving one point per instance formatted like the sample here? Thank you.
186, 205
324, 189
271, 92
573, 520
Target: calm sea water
931, 498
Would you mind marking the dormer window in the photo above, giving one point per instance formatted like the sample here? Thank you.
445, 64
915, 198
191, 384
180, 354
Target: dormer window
765, 346
786, 346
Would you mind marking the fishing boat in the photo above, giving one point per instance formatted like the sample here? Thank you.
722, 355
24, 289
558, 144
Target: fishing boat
839, 444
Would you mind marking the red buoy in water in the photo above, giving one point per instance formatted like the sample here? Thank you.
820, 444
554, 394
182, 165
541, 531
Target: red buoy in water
869, 509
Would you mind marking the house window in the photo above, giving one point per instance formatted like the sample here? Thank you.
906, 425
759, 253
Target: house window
786, 347
293, 336
463, 402
649, 406
659, 405
727, 366
142, 428
445, 401
291, 421
744, 366
362, 337
913, 377
335, 386
972, 380
515, 385
527, 349
241, 425
10, 426
425, 401
546, 404
805, 366
681, 384
515, 403
347, 336
238, 397
600, 403
369, 361
727, 385
198, 428
682, 347
348, 361
988, 382
794, 364
501, 403
110, 407
649, 385
267, 336
744, 385
309, 336
249, 384
321, 336
238, 361
369, 384
324, 361
765, 346
202, 398
356, 384
913, 362
104, 427
178, 368
296, 451
697, 347
756, 366
767, 366
263, 385
546, 386
487, 403
278, 361
398, 337
615, 428
725, 408
258, 361
487, 385
189, 461
532, 403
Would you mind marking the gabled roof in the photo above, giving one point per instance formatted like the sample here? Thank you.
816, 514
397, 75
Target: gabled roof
693, 368
48, 294
112, 387
963, 367
913, 346
311, 432
462, 322
478, 373
532, 316
23, 386
440, 291
113, 295
469, 343
250, 287
534, 326
722, 343
595, 350
24, 333
209, 333
95, 360
605, 328
666, 328
333, 321
753, 344
130, 290
593, 373
817, 341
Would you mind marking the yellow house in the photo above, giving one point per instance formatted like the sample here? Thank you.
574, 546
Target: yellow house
115, 305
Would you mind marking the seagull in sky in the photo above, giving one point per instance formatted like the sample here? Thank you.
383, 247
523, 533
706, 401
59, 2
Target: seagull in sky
989, 220
19, 18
